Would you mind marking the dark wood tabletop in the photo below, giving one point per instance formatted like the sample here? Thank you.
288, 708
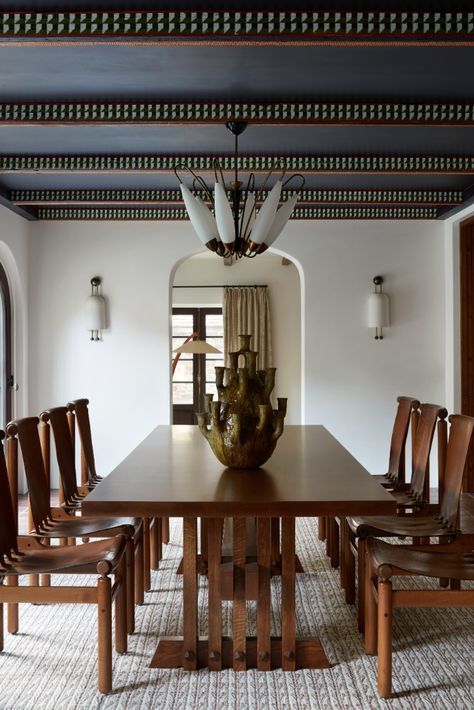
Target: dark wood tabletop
173, 472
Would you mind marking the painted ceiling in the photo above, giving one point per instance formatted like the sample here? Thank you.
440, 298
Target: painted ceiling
373, 103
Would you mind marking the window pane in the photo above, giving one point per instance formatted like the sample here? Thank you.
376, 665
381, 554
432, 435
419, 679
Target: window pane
214, 325
182, 393
182, 324
217, 342
211, 389
210, 371
184, 371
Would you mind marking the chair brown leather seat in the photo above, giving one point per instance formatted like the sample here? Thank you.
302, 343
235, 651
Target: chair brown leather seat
454, 561
424, 524
82, 559
395, 476
331, 529
20, 555
156, 530
51, 523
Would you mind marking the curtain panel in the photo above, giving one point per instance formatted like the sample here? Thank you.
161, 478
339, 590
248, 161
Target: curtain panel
246, 311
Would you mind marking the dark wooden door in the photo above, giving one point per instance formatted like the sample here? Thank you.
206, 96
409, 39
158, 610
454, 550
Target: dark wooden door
6, 375
466, 245
194, 374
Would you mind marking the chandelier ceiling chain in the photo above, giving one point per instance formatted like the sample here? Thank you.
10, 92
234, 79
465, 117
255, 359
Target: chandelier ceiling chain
233, 226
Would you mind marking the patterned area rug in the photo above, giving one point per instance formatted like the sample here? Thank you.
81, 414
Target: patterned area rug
52, 662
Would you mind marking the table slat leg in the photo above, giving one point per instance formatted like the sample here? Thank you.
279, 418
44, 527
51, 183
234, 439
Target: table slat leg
190, 609
239, 610
214, 545
288, 621
264, 548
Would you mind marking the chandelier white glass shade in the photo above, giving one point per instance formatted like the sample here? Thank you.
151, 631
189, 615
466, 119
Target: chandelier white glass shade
238, 223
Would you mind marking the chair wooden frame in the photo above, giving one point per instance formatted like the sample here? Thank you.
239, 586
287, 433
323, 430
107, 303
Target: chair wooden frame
156, 530
454, 561
329, 529
22, 555
57, 523
419, 524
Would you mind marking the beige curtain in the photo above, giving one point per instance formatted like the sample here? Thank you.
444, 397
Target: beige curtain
246, 311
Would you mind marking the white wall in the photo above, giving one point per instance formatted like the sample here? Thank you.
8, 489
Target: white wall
350, 381
14, 258
285, 303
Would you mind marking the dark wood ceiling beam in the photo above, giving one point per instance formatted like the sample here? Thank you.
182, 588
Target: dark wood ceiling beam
176, 214
333, 113
25, 212
306, 164
254, 27
173, 198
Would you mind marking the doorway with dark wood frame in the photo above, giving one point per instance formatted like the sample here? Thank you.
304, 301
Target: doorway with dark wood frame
466, 261
6, 375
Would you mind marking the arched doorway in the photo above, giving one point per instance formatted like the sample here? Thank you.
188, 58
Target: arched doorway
6, 376
197, 284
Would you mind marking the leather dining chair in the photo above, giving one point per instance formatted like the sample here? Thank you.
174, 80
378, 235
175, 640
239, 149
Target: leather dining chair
56, 417
24, 555
56, 523
407, 412
356, 530
156, 530
453, 561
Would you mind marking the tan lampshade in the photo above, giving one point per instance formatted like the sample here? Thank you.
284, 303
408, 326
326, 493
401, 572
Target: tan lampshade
196, 347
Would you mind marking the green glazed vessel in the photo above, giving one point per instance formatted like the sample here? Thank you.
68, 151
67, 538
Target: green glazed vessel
241, 427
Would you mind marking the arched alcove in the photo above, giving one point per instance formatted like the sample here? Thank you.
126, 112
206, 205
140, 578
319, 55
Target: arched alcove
284, 279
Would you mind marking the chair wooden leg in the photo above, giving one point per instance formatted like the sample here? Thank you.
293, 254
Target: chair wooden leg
12, 609
328, 536
360, 584
342, 546
385, 638
131, 585
165, 530
104, 605
1, 625
121, 609
349, 564
334, 542
156, 539
370, 629
138, 576
322, 527
146, 555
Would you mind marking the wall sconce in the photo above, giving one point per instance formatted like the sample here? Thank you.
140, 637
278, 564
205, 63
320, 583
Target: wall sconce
379, 313
95, 310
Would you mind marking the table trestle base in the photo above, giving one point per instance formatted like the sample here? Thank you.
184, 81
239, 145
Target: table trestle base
170, 650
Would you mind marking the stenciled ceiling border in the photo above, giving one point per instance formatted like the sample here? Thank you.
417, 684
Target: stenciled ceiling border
170, 197
336, 113
388, 164
137, 213
325, 27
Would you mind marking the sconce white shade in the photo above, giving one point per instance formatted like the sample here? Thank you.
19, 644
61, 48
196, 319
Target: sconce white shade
95, 313
379, 310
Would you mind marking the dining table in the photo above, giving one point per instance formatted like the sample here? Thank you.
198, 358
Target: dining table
173, 473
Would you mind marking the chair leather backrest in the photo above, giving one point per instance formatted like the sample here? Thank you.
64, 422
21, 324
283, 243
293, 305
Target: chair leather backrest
8, 525
422, 446
84, 426
456, 454
64, 450
38, 487
399, 433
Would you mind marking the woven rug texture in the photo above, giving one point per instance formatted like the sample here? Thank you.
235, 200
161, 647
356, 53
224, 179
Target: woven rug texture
51, 664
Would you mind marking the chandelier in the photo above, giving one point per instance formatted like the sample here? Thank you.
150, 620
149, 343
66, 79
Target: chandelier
242, 221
